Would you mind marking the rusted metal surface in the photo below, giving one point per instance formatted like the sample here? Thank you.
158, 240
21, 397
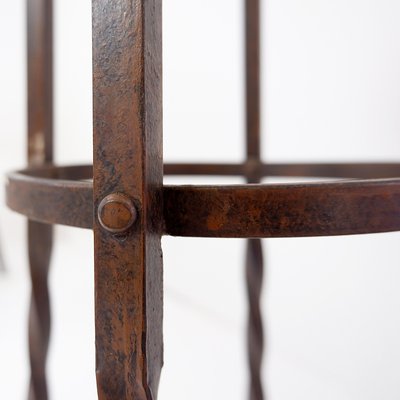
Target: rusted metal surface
127, 91
265, 210
306, 170
310, 170
254, 258
116, 213
51, 201
68, 174
129, 209
256, 211
40, 151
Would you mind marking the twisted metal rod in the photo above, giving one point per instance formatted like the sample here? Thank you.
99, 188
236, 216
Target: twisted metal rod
255, 332
40, 244
254, 257
39, 152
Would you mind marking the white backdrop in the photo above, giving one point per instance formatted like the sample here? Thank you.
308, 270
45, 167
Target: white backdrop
331, 89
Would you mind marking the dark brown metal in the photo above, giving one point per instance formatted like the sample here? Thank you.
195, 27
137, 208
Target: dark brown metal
306, 170
253, 167
116, 213
252, 28
40, 151
309, 170
129, 209
255, 331
254, 260
40, 81
40, 244
128, 159
297, 210
51, 201
225, 211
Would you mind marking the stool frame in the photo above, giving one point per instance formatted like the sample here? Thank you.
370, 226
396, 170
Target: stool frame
129, 208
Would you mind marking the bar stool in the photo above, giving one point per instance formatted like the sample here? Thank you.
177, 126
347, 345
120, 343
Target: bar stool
123, 199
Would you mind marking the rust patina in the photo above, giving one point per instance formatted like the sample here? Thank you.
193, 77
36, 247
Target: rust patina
123, 199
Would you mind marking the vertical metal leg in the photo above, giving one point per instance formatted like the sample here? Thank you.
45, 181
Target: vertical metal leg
255, 333
40, 151
128, 175
40, 241
252, 30
254, 258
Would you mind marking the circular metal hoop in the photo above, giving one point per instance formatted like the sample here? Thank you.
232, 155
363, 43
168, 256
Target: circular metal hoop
64, 195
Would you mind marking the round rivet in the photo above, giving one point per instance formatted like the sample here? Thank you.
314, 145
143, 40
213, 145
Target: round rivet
116, 213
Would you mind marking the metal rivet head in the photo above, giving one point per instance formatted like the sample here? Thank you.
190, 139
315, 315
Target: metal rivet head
116, 213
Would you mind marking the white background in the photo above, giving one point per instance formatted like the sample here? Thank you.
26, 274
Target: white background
331, 89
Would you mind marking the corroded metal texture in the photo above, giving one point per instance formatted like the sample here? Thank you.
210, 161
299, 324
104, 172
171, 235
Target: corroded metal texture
127, 158
310, 209
40, 151
51, 201
311, 170
116, 213
129, 209
297, 210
